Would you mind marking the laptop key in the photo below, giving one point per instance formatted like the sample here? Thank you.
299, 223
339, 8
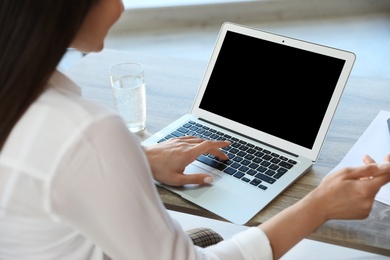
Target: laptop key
270, 172
245, 162
265, 178
267, 157
257, 160
245, 179
241, 153
255, 182
275, 160
249, 157
265, 163
243, 168
166, 138
200, 131
292, 161
279, 173
234, 150
183, 130
286, 164
235, 165
251, 172
162, 140
214, 136
263, 187
235, 145
239, 175
211, 162
253, 165
237, 159
259, 154
230, 171
177, 134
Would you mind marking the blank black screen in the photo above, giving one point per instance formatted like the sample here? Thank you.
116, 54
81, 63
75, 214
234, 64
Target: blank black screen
280, 90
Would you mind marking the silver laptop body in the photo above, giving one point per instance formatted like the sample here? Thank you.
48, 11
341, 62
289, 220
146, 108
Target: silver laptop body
275, 97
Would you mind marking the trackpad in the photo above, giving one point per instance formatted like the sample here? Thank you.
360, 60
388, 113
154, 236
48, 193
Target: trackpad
195, 190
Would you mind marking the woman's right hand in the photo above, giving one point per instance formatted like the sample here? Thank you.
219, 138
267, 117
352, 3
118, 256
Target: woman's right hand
169, 159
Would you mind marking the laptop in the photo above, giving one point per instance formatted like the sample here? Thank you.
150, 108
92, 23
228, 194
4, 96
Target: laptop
274, 98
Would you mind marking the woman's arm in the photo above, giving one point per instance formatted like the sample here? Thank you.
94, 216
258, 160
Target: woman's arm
346, 194
104, 189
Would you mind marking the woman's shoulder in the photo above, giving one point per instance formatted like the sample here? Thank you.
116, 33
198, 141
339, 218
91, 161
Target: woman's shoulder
57, 119
65, 98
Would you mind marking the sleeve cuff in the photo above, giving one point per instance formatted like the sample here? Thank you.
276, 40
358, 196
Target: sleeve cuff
253, 244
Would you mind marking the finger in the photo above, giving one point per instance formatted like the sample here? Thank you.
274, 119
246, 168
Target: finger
220, 154
367, 159
189, 138
380, 179
196, 178
371, 171
208, 145
362, 172
384, 171
385, 166
214, 148
382, 167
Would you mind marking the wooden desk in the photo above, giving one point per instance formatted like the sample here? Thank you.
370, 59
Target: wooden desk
171, 85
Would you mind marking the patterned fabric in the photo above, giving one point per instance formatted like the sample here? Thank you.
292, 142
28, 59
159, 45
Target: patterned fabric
204, 237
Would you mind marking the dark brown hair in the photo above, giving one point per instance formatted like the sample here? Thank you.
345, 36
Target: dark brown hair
34, 35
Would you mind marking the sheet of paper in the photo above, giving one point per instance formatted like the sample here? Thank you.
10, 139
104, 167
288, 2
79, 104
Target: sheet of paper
375, 141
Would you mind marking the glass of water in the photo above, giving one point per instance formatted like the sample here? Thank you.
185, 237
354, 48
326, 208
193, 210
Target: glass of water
128, 90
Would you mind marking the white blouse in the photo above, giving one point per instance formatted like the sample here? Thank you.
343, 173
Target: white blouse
75, 184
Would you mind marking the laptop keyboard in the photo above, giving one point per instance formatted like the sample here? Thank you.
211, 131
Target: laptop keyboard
247, 162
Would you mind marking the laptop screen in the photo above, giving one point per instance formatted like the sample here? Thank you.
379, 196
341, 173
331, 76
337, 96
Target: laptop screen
272, 87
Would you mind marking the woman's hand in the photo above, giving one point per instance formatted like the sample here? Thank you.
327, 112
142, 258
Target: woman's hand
168, 159
346, 194
350, 192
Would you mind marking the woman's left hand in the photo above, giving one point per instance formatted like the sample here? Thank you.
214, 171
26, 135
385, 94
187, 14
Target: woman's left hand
168, 159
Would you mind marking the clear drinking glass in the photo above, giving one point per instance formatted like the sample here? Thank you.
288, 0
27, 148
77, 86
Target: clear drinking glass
128, 90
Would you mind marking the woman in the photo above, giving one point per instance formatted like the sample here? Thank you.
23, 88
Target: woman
75, 184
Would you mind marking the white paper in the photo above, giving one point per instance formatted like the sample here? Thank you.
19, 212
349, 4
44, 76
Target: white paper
375, 142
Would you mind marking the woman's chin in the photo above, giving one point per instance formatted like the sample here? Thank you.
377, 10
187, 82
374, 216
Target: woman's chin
87, 49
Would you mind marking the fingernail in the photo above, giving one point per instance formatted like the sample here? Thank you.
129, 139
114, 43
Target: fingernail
384, 166
208, 180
